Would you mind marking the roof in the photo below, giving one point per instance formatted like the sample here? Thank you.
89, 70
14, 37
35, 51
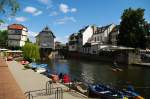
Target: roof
16, 26
47, 30
102, 29
83, 29
115, 29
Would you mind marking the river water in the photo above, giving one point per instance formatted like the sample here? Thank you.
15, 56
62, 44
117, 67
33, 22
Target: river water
95, 72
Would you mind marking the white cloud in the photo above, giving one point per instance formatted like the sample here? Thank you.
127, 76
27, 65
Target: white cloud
32, 35
65, 8
49, 3
65, 20
37, 13
3, 26
32, 10
20, 19
54, 13
63, 39
73, 10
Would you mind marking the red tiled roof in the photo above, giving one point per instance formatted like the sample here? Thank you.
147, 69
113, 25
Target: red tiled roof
16, 26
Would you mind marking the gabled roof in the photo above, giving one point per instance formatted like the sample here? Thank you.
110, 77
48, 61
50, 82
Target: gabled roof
102, 29
83, 29
47, 30
115, 29
16, 26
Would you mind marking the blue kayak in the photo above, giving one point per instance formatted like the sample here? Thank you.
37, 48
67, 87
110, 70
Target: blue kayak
108, 92
104, 92
35, 65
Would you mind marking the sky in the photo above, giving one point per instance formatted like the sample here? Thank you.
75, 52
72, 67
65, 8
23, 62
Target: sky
65, 17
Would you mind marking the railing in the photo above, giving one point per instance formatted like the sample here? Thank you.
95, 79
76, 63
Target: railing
57, 93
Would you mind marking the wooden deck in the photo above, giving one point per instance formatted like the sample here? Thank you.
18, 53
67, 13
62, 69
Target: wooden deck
9, 88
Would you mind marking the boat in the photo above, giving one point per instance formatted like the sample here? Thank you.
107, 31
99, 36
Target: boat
116, 69
40, 70
108, 92
104, 92
35, 65
24, 62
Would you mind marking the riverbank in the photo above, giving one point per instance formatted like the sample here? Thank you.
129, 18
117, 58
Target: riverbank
28, 80
9, 89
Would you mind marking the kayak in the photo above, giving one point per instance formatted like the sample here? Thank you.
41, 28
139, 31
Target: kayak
104, 92
108, 92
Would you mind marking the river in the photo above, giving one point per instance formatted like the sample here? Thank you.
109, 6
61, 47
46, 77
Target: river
95, 72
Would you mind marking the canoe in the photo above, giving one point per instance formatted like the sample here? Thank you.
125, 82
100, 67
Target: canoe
40, 70
104, 92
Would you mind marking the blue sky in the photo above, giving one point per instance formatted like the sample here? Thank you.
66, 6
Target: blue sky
65, 17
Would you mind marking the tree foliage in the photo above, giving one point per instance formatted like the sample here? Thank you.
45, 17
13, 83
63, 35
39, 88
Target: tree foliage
31, 52
3, 37
132, 31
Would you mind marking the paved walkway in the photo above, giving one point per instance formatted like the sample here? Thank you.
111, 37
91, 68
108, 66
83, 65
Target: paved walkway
9, 88
29, 80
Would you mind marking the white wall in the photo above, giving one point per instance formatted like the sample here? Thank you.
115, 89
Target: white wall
24, 31
87, 34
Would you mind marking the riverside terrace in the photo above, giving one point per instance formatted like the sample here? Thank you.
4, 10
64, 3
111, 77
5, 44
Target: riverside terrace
9, 88
28, 80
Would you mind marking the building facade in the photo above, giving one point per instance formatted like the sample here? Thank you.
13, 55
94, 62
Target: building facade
17, 35
45, 39
113, 35
73, 44
100, 37
78, 40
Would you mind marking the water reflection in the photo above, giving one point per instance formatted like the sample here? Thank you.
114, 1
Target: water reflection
101, 72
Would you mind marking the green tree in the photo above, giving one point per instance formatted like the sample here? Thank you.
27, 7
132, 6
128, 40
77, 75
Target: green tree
31, 52
3, 37
132, 31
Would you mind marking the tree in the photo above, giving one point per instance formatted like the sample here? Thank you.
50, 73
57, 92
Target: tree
3, 37
132, 31
31, 52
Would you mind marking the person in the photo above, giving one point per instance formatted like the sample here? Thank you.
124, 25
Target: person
130, 88
66, 78
55, 78
60, 77
115, 64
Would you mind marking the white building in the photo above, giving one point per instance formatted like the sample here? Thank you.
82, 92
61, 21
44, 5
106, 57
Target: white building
100, 38
45, 39
77, 40
73, 42
113, 35
17, 35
